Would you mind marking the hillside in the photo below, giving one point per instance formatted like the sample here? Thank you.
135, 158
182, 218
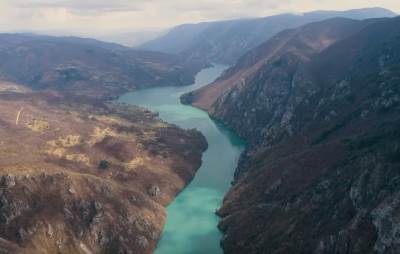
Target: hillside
320, 107
88, 67
226, 41
277, 60
87, 176
79, 174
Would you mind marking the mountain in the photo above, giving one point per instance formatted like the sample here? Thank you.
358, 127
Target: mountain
80, 174
85, 176
226, 41
293, 46
319, 106
88, 67
132, 39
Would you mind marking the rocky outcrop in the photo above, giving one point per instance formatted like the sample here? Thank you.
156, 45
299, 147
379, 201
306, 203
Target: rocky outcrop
78, 175
320, 108
54, 197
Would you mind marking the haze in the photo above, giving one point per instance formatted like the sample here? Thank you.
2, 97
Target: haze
131, 22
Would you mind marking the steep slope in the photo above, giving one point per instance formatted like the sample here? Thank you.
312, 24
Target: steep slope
79, 175
320, 108
87, 67
226, 41
276, 60
84, 176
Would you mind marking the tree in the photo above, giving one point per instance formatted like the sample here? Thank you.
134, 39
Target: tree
104, 164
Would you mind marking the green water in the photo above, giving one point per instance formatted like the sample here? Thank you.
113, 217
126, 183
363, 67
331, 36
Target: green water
191, 226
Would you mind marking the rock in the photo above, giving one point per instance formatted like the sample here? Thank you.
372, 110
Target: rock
142, 224
98, 206
387, 228
154, 235
68, 214
8, 181
71, 191
106, 190
22, 234
142, 242
50, 231
132, 199
154, 191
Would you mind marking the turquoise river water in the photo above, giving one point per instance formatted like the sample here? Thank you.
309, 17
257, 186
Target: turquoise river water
191, 226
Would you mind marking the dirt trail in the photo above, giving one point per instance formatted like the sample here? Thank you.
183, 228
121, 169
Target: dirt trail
18, 116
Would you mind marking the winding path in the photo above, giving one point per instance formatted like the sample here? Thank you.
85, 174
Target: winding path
18, 116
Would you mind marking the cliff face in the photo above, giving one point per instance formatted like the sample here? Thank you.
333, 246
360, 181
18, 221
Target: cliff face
319, 106
85, 176
279, 61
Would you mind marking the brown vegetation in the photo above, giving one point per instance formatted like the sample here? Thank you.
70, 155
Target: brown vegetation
54, 197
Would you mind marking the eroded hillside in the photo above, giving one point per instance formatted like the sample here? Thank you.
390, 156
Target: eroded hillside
319, 106
86, 176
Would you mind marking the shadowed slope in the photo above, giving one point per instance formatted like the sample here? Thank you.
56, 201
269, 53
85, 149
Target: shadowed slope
226, 41
321, 172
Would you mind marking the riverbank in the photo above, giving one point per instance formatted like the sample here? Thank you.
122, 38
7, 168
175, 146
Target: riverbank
191, 225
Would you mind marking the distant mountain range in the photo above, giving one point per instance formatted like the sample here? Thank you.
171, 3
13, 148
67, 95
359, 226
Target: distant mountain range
87, 66
320, 108
226, 41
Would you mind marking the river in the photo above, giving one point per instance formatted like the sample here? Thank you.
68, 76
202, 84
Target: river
191, 226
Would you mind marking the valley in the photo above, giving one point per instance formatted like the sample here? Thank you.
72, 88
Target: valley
276, 134
191, 225
225, 42
319, 107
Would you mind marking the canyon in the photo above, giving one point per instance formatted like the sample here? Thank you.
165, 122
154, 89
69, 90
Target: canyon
191, 225
293, 149
319, 106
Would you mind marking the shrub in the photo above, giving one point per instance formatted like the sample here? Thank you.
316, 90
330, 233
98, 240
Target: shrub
104, 164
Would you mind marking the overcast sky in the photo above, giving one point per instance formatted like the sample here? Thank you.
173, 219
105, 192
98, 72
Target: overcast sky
101, 18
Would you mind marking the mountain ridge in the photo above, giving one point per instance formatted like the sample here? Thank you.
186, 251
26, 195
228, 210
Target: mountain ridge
79, 172
321, 169
88, 67
226, 41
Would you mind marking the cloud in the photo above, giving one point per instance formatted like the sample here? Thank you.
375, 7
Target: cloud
81, 7
99, 18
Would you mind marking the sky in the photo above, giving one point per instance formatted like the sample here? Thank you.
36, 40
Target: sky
105, 19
